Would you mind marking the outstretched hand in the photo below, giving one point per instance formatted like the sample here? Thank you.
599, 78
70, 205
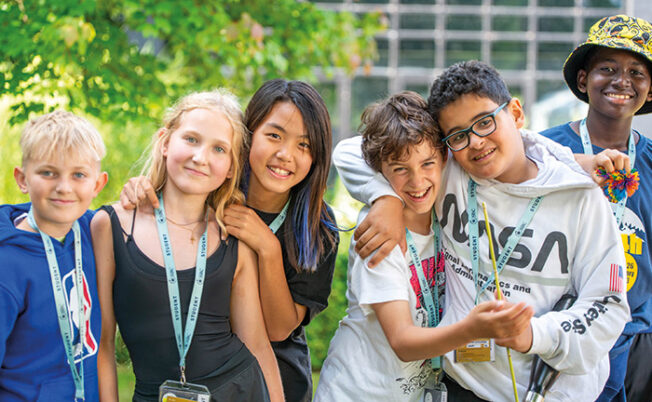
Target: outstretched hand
507, 322
381, 230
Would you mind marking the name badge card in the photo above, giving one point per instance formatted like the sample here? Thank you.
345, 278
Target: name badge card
175, 391
480, 350
435, 393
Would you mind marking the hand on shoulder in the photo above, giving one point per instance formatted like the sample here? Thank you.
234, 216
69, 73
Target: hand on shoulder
378, 233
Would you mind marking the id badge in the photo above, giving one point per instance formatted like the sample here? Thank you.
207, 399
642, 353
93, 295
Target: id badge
480, 350
175, 391
435, 393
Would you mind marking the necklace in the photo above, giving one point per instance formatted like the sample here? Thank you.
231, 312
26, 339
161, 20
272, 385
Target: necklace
181, 224
184, 226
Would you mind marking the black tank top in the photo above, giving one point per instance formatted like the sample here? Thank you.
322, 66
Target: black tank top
142, 312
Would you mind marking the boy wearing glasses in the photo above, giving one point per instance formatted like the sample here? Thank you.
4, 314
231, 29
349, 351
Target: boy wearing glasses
552, 235
390, 330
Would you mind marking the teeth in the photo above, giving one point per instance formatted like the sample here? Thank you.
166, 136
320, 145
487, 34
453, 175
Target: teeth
418, 195
616, 96
482, 155
279, 171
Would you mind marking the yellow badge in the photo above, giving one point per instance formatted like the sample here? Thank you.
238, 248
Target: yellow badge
172, 398
480, 350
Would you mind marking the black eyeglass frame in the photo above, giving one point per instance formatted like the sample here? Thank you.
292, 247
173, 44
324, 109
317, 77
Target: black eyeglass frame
470, 129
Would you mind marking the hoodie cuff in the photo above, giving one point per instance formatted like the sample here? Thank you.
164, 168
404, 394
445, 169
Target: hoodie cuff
542, 342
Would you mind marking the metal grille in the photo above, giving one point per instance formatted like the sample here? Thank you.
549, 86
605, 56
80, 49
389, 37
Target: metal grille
526, 40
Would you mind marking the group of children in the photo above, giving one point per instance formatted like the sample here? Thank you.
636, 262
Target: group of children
198, 303
561, 240
217, 258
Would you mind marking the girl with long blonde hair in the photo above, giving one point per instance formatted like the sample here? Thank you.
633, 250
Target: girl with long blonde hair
185, 296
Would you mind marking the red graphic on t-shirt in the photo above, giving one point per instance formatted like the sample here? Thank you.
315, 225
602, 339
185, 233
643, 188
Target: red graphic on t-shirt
429, 270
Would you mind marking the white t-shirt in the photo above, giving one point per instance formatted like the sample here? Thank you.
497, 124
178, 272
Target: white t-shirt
361, 364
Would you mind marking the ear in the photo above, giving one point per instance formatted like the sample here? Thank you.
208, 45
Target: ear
100, 183
649, 95
19, 176
164, 145
515, 109
581, 80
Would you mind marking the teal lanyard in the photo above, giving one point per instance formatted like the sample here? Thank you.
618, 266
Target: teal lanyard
60, 302
183, 342
512, 241
631, 152
431, 301
280, 218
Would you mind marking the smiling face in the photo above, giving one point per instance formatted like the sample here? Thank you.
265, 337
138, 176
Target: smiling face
617, 82
198, 152
415, 177
500, 155
280, 155
61, 189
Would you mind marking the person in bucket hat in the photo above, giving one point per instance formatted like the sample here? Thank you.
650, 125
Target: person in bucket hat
619, 32
612, 71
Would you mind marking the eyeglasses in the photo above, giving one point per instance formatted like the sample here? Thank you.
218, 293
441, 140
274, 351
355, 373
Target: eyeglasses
482, 127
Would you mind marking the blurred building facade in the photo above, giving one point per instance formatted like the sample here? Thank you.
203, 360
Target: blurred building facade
526, 40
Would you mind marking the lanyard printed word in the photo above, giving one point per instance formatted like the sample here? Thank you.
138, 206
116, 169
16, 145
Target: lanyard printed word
278, 221
183, 343
631, 152
512, 241
60, 301
431, 301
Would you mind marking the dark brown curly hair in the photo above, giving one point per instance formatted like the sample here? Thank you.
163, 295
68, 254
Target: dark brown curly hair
389, 127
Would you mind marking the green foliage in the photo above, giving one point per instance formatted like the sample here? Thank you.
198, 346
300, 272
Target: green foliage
125, 60
120, 63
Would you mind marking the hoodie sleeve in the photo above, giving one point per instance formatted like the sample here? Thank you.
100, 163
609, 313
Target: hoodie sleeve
562, 153
8, 315
575, 340
362, 182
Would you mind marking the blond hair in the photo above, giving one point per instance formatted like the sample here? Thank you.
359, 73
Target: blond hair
219, 100
60, 133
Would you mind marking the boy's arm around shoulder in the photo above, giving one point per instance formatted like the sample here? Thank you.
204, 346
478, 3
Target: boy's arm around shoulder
370, 187
102, 236
247, 319
575, 340
363, 183
609, 159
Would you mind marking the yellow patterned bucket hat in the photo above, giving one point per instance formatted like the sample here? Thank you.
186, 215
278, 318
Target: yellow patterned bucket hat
615, 32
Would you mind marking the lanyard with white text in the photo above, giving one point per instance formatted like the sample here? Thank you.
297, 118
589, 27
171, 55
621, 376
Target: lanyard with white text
278, 221
512, 241
631, 152
431, 301
60, 302
183, 339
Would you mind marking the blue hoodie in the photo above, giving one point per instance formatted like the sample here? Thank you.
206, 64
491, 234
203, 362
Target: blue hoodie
33, 365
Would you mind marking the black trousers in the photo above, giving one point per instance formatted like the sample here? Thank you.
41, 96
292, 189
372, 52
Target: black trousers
638, 382
458, 394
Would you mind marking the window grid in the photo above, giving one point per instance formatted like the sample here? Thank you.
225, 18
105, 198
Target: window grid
545, 50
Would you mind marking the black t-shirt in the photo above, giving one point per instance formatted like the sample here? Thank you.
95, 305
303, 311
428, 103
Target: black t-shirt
310, 289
